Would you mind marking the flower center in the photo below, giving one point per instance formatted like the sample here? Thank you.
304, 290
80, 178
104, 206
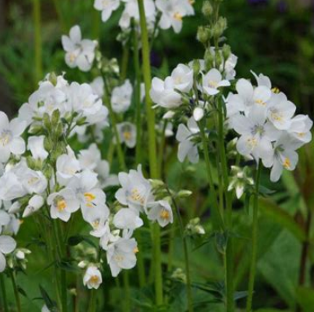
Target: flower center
177, 16
94, 279
61, 204
5, 137
32, 180
89, 198
287, 163
136, 196
127, 135
275, 115
260, 102
252, 142
119, 258
212, 84
72, 57
164, 214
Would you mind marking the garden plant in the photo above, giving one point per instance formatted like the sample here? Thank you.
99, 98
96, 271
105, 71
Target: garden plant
134, 188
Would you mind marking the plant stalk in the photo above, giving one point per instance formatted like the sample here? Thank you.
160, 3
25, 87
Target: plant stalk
254, 240
16, 292
153, 164
4, 301
37, 41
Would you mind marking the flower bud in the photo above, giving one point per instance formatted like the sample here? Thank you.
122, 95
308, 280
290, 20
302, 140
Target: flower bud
47, 144
53, 78
207, 9
203, 35
55, 117
196, 67
46, 121
209, 59
35, 129
59, 131
48, 172
226, 51
184, 194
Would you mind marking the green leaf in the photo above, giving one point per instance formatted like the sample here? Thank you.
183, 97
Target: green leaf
278, 215
51, 305
305, 298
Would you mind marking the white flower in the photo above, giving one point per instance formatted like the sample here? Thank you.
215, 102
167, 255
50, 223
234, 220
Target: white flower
121, 255
128, 219
36, 146
45, 309
91, 198
187, 148
107, 7
280, 111
90, 158
34, 204
161, 212
212, 81
300, 129
4, 220
127, 134
198, 113
33, 181
163, 94
257, 136
11, 186
173, 12
98, 86
7, 245
121, 97
182, 77
131, 11
63, 204
67, 167
284, 157
92, 278
104, 177
136, 191
10, 137
79, 53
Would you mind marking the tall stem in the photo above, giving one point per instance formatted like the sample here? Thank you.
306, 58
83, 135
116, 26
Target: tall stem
126, 284
212, 191
37, 41
92, 301
228, 199
114, 126
151, 148
186, 256
254, 240
125, 62
3, 294
16, 292
137, 97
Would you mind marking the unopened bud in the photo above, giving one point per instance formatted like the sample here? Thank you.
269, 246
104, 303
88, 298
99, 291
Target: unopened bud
207, 9
226, 51
184, 193
203, 34
196, 67
47, 144
47, 122
53, 78
55, 117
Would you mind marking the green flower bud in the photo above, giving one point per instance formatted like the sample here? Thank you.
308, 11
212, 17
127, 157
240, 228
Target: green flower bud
35, 129
203, 34
207, 9
55, 118
226, 51
47, 122
53, 78
81, 121
218, 59
48, 144
48, 172
31, 163
58, 131
209, 59
184, 194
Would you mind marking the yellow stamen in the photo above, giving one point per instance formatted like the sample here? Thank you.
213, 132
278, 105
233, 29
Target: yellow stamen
177, 16
164, 214
287, 163
252, 142
135, 250
94, 279
89, 196
260, 102
127, 135
61, 205
135, 195
275, 90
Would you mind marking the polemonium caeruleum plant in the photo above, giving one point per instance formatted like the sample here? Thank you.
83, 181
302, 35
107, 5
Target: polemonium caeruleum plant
236, 126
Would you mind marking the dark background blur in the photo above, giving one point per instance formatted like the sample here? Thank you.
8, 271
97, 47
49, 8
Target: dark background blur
275, 37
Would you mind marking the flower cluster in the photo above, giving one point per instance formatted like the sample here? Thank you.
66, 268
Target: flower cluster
165, 13
266, 122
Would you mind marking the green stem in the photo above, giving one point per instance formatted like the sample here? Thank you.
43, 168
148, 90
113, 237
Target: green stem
4, 301
114, 126
153, 164
127, 295
92, 301
137, 97
37, 41
16, 292
254, 240
125, 62
186, 255
140, 263
228, 198
162, 147
60, 15
212, 190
